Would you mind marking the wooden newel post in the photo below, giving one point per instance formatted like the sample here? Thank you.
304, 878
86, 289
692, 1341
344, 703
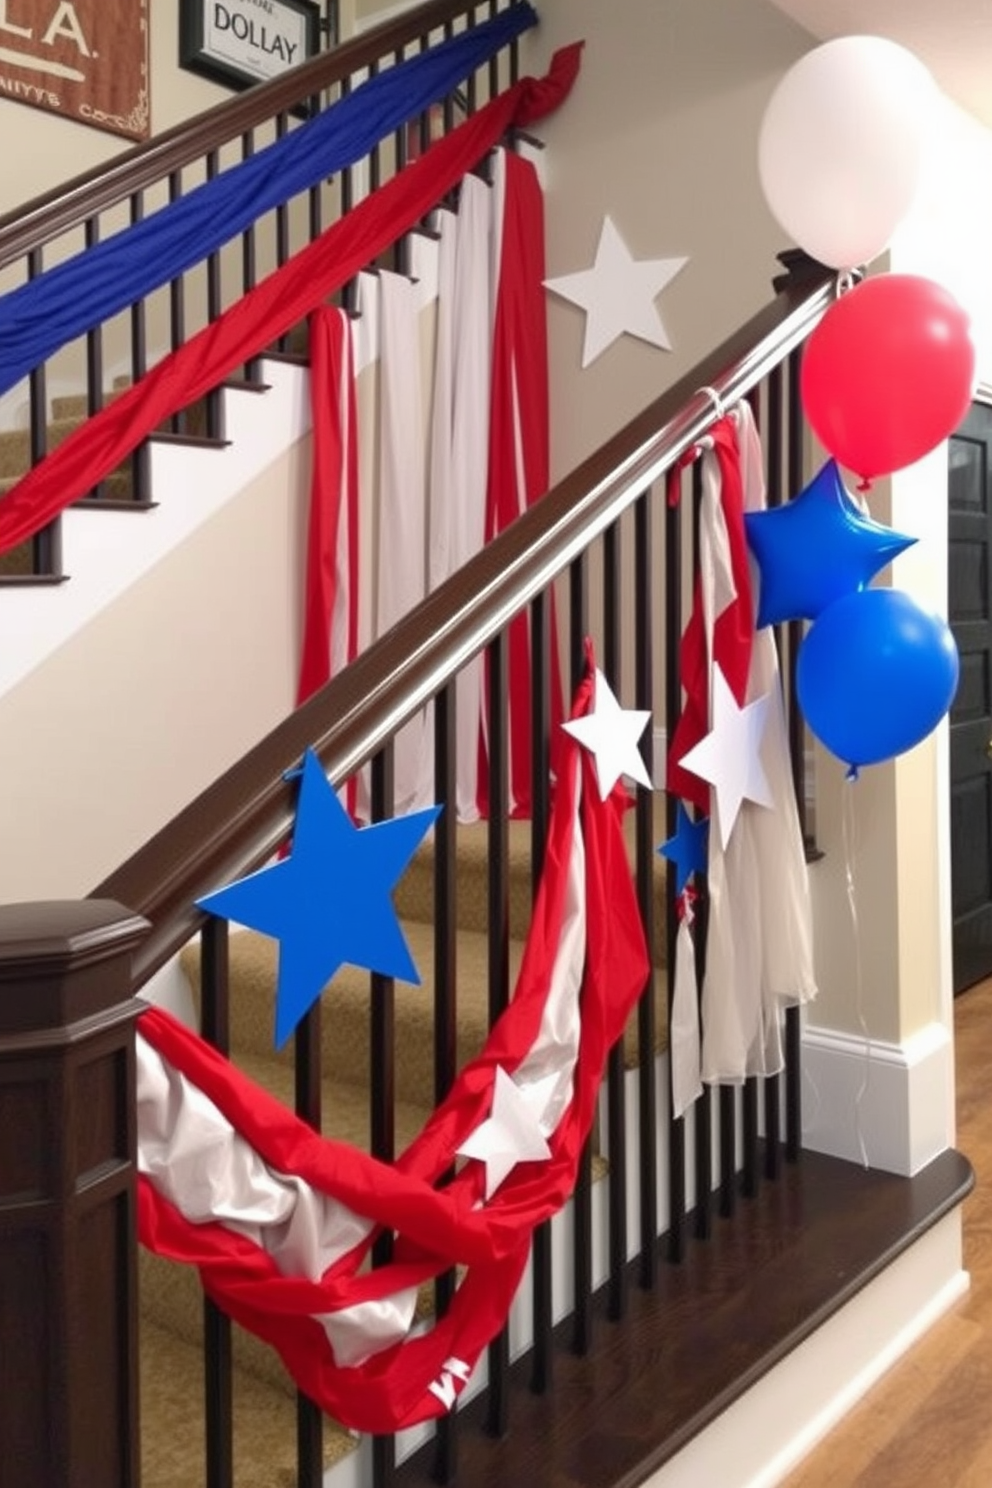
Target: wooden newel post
68, 1357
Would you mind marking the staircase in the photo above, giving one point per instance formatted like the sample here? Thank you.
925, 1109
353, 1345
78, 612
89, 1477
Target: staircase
695, 1258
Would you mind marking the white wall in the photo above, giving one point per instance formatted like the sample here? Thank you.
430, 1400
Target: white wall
144, 706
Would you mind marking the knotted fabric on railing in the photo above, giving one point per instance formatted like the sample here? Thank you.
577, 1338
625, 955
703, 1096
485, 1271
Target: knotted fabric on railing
274, 305
280, 1220
95, 285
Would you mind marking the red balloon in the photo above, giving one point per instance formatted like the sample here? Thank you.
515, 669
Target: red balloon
888, 373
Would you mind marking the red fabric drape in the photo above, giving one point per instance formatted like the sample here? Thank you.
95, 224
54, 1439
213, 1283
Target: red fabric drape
435, 1227
519, 458
273, 306
334, 483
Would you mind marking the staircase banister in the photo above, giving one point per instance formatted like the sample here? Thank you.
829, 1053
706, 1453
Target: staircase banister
237, 823
37, 222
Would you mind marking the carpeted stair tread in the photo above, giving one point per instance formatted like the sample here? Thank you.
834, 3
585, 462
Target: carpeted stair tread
414, 894
172, 1430
347, 1001
15, 445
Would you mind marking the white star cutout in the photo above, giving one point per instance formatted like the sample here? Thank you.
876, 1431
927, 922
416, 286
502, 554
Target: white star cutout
729, 757
618, 294
612, 733
512, 1133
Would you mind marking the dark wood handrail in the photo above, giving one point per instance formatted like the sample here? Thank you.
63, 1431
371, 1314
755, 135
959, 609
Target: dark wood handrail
38, 221
240, 820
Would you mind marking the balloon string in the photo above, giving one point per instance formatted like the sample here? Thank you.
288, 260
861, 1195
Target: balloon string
850, 862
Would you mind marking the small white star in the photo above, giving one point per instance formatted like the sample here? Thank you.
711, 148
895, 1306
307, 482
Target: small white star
729, 757
612, 733
512, 1133
618, 294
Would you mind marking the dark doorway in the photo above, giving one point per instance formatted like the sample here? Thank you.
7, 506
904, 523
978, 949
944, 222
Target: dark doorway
970, 614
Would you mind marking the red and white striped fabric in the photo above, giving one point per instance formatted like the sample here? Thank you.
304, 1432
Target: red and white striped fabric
279, 1220
759, 955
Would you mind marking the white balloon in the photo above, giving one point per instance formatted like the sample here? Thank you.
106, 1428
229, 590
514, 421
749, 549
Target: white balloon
840, 152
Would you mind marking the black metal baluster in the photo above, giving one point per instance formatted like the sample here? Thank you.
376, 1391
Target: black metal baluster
757, 398
375, 155
749, 1117
774, 447
703, 1109
424, 118
540, 658
94, 355
445, 991
177, 304
647, 1087
673, 706
282, 224
493, 61
471, 85
616, 1064
797, 747
400, 154
140, 485
578, 625
217, 1365
309, 1418
449, 101
382, 1081
249, 262
214, 408
497, 1400
46, 545
728, 1149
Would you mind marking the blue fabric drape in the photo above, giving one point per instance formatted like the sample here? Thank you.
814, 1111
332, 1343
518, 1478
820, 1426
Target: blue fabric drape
74, 296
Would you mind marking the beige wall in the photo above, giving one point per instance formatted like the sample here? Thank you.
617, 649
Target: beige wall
660, 133
157, 696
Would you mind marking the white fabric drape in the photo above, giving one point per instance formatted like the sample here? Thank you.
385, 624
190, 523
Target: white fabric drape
401, 577
759, 947
460, 433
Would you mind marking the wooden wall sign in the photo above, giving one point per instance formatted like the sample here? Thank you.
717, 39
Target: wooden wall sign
84, 59
241, 42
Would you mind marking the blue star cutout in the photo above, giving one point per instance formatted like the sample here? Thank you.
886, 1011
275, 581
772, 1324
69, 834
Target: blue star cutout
816, 548
329, 901
687, 849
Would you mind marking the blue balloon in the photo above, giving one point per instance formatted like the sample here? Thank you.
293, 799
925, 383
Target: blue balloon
816, 548
875, 674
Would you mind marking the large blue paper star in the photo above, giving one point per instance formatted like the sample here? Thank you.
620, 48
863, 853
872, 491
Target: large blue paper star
329, 901
816, 548
687, 849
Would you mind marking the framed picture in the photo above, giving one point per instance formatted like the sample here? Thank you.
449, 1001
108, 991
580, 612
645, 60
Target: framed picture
242, 42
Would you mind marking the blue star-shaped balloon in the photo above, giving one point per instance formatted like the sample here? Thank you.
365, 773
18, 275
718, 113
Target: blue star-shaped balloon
329, 901
816, 548
687, 849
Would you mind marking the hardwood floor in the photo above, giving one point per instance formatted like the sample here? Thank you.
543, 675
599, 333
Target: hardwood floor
929, 1421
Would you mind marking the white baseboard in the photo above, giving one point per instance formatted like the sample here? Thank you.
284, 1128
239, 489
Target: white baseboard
886, 1105
759, 1439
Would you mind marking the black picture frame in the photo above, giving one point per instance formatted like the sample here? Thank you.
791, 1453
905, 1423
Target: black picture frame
220, 39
